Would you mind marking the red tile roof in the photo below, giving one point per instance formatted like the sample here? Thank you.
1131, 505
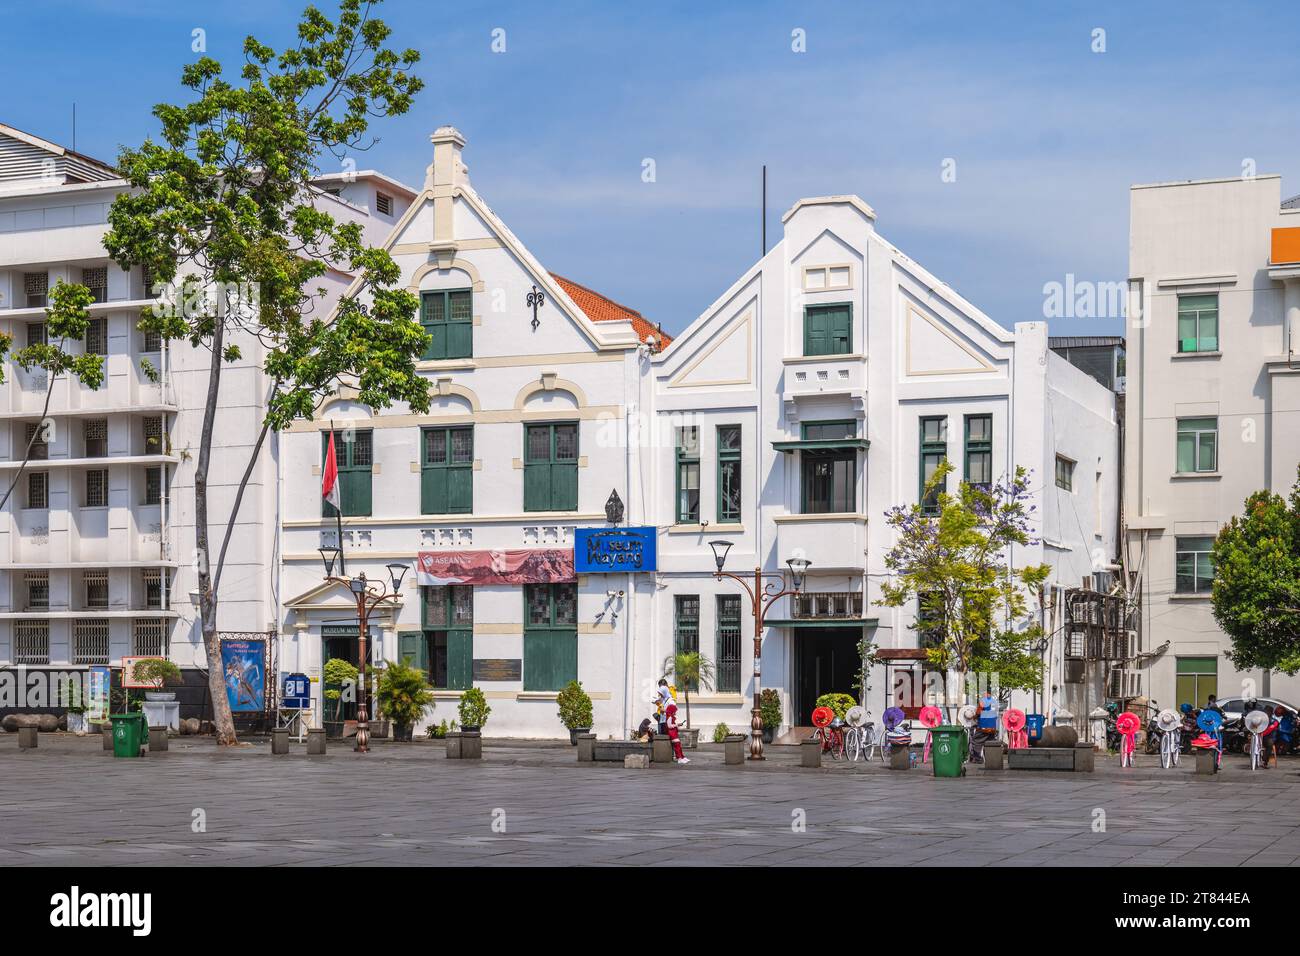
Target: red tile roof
600, 308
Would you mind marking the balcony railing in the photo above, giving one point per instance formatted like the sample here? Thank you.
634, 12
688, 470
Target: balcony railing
827, 605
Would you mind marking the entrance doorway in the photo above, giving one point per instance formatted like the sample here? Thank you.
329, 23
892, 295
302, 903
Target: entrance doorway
826, 661
342, 642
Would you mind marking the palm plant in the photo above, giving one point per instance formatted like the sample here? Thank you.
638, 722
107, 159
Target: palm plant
692, 669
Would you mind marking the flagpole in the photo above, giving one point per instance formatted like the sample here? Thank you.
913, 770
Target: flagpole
338, 514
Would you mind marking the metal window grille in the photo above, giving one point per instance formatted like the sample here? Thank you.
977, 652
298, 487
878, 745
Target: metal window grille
38, 590
96, 584
96, 280
31, 642
95, 432
90, 642
97, 336
153, 431
728, 668
149, 637
97, 488
38, 489
37, 287
152, 486
34, 437
37, 334
153, 589
150, 341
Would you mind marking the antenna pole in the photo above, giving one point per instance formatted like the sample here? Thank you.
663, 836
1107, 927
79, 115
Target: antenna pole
764, 212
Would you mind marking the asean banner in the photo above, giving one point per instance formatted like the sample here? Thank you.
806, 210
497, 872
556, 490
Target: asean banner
520, 566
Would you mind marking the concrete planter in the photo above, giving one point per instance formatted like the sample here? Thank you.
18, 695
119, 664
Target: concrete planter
661, 749
586, 747
690, 738
280, 741
575, 733
157, 739
315, 741
27, 738
465, 745
994, 753
733, 749
810, 753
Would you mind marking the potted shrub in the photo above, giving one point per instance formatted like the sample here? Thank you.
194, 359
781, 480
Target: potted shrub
404, 695
440, 730
839, 703
473, 709
157, 671
721, 733
769, 712
338, 672
693, 669
575, 710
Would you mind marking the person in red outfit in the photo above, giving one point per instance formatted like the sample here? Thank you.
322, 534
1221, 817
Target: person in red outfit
671, 725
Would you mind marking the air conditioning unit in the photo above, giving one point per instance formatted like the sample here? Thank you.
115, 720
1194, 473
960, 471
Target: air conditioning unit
1122, 683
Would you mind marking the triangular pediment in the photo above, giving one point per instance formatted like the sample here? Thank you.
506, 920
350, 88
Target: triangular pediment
727, 360
935, 348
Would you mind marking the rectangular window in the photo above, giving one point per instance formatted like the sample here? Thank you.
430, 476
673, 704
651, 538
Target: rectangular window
829, 482
829, 431
979, 451
95, 584
149, 637
727, 654
1064, 473
90, 642
150, 341
97, 336
934, 449
38, 489
38, 590
152, 486
1194, 565
37, 334
97, 488
686, 624
154, 594
1196, 678
35, 441
354, 456
96, 280
828, 329
550, 636
729, 494
37, 287
31, 642
688, 475
383, 204
448, 317
929, 619
94, 431
152, 426
447, 471
551, 467
1198, 323
445, 647
1198, 441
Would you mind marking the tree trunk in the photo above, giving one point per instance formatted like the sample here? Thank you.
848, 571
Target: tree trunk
222, 719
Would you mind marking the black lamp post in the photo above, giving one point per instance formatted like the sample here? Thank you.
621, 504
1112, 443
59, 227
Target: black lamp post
765, 588
368, 597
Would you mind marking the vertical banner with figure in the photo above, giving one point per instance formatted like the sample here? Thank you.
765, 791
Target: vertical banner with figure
243, 665
99, 681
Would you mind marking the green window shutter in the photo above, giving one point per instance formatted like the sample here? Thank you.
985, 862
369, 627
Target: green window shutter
412, 648
537, 487
564, 487
841, 331
354, 464
551, 467
460, 659
460, 490
828, 329
433, 491
448, 317
816, 341
550, 659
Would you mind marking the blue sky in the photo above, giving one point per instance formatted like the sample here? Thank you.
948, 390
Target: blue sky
1046, 134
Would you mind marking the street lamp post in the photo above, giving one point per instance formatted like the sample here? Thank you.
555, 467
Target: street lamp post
368, 596
765, 589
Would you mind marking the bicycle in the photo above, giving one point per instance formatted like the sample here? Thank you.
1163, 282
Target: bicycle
832, 738
861, 739
1170, 748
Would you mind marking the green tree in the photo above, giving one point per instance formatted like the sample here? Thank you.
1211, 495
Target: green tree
692, 669
1256, 592
957, 561
223, 211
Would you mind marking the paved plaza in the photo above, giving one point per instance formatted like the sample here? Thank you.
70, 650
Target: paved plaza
70, 803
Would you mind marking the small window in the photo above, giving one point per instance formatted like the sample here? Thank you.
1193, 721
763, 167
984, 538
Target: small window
96, 585
1064, 473
1198, 323
150, 341
38, 489
152, 486
153, 589
38, 590
729, 490
95, 432
934, 449
153, 435
97, 488
828, 329
1194, 564
1196, 680
688, 475
96, 280
829, 431
35, 440
686, 624
97, 336
383, 204
31, 642
90, 642
448, 317
36, 334
729, 644
979, 451
149, 637
37, 287
1198, 441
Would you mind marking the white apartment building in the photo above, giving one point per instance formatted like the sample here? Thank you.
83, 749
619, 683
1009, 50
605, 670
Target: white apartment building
1213, 409
821, 389
97, 539
531, 376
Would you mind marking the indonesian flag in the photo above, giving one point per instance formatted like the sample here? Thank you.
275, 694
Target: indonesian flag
329, 486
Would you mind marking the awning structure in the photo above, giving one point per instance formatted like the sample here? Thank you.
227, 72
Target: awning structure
823, 444
824, 622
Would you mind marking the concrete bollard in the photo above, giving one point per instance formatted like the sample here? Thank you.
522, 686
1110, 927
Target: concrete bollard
810, 752
26, 738
157, 739
636, 761
453, 745
994, 755
661, 749
1084, 758
733, 749
586, 747
900, 758
471, 745
1206, 762
107, 732
315, 741
280, 741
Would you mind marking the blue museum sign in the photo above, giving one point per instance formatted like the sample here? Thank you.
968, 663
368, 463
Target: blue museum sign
611, 550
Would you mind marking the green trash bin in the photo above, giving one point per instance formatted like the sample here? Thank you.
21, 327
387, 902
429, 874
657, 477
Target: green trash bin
948, 749
128, 734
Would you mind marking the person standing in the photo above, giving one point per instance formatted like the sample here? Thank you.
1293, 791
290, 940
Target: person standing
670, 712
663, 698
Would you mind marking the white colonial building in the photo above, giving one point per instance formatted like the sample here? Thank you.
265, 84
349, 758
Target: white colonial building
821, 389
531, 377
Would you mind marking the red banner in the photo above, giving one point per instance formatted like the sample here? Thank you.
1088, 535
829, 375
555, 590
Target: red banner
521, 566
